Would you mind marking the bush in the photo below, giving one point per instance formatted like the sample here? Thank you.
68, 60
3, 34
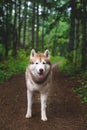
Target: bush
82, 91
13, 66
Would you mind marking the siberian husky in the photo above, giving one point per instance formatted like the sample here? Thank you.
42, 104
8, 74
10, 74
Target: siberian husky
38, 78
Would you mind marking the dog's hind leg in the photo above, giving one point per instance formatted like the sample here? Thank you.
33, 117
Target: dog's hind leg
29, 104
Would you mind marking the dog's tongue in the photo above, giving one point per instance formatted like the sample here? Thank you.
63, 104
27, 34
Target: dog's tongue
40, 76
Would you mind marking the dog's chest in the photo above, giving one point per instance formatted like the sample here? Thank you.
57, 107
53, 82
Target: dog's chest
37, 87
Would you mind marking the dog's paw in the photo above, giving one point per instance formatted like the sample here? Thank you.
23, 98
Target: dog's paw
28, 115
44, 118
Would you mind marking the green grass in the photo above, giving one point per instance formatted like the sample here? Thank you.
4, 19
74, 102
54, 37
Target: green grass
13, 66
82, 91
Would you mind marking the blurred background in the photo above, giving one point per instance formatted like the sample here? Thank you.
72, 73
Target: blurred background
59, 25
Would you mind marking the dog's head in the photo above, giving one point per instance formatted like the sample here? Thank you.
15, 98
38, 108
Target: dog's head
40, 64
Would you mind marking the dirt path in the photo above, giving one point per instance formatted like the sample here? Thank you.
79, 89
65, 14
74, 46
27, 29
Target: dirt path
65, 110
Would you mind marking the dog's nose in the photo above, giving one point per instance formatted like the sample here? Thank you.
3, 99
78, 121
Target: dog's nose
41, 70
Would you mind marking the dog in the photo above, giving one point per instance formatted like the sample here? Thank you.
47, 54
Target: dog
38, 78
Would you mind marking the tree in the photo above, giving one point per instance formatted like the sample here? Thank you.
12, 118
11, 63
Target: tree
25, 19
19, 21
43, 25
6, 31
77, 41
37, 26
33, 23
15, 40
72, 28
84, 33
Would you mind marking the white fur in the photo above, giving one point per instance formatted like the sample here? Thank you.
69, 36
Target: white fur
32, 86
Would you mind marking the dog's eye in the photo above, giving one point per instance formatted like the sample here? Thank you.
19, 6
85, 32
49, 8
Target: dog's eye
44, 63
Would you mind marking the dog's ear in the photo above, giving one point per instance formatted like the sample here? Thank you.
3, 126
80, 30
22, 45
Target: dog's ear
32, 54
47, 54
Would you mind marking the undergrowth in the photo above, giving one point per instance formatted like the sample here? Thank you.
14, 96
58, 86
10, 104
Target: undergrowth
15, 66
82, 91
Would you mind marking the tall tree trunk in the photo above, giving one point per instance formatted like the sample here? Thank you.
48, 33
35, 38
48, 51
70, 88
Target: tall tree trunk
43, 25
6, 33
15, 31
84, 33
7, 19
77, 41
33, 24
19, 22
43, 35
37, 29
25, 19
72, 28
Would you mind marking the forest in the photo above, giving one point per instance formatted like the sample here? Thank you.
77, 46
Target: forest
59, 25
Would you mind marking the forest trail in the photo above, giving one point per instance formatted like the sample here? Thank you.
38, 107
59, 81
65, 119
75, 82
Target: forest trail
65, 110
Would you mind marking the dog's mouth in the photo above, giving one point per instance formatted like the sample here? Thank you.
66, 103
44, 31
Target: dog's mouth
40, 75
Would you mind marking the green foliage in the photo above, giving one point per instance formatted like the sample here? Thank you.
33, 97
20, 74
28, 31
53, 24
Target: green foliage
13, 66
82, 91
59, 59
67, 67
57, 38
63, 29
64, 65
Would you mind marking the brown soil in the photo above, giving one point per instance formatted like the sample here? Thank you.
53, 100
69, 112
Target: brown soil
65, 110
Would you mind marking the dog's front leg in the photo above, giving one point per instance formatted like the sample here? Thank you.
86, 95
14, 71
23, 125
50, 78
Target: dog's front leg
29, 103
43, 106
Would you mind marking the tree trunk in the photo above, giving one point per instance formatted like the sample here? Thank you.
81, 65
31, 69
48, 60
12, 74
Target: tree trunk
77, 41
37, 29
43, 25
15, 32
84, 34
25, 19
6, 33
19, 23
33, 24
72, 29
